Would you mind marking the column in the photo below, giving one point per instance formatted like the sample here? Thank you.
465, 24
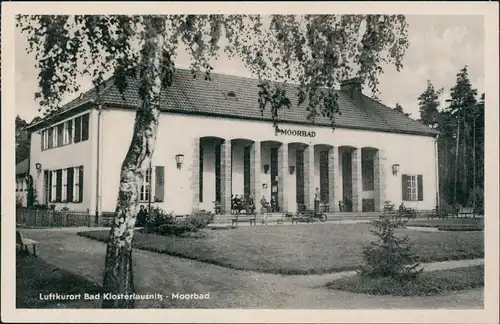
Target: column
379, 163
357, 184
333, 175
282, 174
255, 171
309, 177
225, 181
195, 175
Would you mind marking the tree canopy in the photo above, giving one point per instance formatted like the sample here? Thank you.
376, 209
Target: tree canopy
314, 51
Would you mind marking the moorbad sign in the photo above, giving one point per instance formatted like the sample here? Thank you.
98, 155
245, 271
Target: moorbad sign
295, 132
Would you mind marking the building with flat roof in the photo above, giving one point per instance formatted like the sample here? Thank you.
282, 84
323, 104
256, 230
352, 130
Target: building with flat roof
213, 142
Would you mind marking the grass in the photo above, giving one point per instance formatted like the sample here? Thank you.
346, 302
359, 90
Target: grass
308, 249
34, 277
428, 284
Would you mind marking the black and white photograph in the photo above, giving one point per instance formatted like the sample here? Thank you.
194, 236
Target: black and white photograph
330, 158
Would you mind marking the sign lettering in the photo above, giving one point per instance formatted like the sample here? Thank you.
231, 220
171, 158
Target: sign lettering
295, 132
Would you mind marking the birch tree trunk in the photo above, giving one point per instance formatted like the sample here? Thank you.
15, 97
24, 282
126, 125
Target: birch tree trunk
118, 276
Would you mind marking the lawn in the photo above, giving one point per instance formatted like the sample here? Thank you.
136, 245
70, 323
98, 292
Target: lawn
302, 249
34, 277
428, 284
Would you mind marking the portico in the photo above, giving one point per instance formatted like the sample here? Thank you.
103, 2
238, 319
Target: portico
288, 171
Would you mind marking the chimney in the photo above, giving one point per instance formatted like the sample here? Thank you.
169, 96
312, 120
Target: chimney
352, 87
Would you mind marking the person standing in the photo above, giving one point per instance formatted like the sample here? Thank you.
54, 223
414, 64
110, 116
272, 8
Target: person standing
316, 201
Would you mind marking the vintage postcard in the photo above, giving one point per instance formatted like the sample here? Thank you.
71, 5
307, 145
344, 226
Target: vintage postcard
250, 162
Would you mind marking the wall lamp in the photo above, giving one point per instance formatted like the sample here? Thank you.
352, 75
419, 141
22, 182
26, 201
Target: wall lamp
266, 168
38, 167
291, 169
179, 159
395, 169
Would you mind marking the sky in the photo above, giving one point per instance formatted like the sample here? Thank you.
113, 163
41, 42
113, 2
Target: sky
439, 46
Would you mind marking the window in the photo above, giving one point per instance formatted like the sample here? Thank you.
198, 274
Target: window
66, 185
68, 132
53, 186
412, 187
72, 131
45, 139
145, 191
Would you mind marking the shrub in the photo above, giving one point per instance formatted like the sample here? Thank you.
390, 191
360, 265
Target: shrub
156, 218
176, 229
199, 220
390, 256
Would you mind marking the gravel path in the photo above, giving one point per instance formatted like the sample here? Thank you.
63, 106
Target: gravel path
167, 275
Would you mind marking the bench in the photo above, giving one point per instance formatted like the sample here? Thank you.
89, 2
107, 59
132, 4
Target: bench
24, 242
265, 219
409, 213
465, 211
242, 217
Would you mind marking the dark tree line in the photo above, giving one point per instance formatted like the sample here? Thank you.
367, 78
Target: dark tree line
460, 143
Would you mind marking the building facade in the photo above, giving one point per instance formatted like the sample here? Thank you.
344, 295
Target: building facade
213, 142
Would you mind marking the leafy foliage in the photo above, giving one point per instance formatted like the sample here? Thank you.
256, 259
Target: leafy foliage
314, 51
391, 256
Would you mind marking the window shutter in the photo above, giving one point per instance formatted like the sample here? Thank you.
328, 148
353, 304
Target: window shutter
42, 138
85, 127
70, 131
50, 140
78, 129
58, 185
69, 185
404, 187
159, 184
60, 134
420, 184
50, 187
80, 185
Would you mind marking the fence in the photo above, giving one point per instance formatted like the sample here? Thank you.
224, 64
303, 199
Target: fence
52, 218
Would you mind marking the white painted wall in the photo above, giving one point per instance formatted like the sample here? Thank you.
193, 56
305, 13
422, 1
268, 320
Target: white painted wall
176, 133
71, 155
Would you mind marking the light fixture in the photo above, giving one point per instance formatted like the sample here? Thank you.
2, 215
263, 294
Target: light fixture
266, 168
38, 167
292, 169
395, 169
179, 159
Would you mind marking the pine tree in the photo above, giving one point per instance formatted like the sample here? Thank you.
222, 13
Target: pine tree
428, 103
400, 109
